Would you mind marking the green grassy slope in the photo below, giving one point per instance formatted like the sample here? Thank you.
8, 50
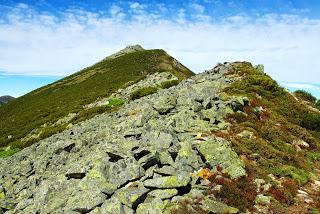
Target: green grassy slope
49, 103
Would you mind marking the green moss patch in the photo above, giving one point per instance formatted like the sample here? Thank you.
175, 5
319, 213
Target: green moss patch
143, 92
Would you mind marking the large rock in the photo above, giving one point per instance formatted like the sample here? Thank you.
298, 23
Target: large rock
84, 201
218, 152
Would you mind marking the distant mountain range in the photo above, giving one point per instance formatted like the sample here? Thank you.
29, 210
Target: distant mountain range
5, 99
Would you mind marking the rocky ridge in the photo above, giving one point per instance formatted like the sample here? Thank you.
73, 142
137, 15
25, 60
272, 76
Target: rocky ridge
147, 156
179, 150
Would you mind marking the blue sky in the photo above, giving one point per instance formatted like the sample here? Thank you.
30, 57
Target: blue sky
41, 41
17, 85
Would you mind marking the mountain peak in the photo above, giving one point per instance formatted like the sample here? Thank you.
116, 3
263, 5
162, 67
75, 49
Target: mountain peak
136, 47
5, 99
126, 50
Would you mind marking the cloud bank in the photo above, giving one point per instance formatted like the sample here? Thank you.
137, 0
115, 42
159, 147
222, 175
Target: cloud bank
34, 42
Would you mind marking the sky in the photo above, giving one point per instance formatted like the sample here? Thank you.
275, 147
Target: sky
44, 40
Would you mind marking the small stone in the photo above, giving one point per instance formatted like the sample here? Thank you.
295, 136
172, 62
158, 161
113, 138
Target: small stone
262, 200
246, 134
300, 144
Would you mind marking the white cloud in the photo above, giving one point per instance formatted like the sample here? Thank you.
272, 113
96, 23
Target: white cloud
197, 7
137, 6
301, 86
36, 43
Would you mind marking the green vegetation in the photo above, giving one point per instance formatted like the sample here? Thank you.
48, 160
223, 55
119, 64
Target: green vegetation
305, 96
143, 92
6, 152
91, 112
276, 127
290, 171
151, 90
253, 82
240, 194
311, 121
317, 105
169, 83
114, 102
50, 103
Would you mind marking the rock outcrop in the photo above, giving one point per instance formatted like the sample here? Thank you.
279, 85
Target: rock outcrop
5, 99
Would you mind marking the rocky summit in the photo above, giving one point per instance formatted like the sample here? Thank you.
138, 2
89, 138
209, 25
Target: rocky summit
5, 99
194, 147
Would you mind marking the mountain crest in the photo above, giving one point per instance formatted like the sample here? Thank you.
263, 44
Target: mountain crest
126, 50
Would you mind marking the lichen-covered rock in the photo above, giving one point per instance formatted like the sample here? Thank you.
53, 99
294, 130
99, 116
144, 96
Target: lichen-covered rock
156, 206
163, 193
168, 181
217, 207
114, 205
187, 159
84, 201
165, 104
218, 152
262, 199
131, 194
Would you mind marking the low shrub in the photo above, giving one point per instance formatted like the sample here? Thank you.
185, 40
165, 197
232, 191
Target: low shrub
114, 102
279, 195
290, 187
305, 96
311, 121
51, 130
169, 83
292, 172
6, 152
143, 92
317, 105
313, 156
264, 81
90, 113
240, 193
244, 68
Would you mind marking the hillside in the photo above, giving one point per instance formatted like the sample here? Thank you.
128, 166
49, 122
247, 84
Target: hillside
229, 140
32, 117
5, 99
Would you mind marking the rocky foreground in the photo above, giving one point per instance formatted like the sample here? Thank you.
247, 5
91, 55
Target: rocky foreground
151, 156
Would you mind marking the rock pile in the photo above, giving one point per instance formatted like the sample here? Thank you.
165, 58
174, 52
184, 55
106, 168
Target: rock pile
144, 158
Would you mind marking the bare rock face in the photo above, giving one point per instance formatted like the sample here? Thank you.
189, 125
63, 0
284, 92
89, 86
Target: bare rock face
144, 157
5, 99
